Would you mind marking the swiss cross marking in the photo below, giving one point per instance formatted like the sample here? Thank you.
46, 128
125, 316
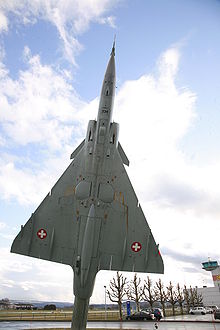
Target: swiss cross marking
136, 246
42, 233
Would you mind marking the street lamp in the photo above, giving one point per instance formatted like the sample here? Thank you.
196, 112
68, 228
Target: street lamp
105, 301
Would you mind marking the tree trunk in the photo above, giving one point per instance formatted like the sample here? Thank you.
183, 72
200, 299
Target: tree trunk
173, 308
163, 307
120, 309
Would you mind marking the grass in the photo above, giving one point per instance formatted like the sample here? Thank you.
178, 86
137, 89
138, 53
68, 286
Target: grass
61, 315
58, 315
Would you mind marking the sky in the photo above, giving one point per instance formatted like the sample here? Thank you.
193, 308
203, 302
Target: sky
53, 55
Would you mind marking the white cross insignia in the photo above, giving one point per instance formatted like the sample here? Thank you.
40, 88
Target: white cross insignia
42, 233
136, 246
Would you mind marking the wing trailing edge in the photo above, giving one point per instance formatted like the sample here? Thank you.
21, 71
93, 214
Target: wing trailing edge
122, 154
77, 150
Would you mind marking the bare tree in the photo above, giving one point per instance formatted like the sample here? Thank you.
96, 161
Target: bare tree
134, 291
193, 296
198, 297
187, 298
180, 297
171, 296
161, 295
148, 292
117, 290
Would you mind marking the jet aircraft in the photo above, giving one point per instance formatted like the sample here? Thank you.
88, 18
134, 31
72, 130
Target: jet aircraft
92, 219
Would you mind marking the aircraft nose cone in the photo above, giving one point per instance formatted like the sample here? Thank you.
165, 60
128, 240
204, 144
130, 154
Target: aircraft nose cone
110, 71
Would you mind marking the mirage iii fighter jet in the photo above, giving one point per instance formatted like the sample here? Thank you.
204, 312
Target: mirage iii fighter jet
91, 219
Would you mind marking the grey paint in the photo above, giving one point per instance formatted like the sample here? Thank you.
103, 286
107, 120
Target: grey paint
92, 219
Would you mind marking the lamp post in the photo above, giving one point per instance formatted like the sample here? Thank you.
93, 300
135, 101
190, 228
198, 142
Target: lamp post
105, 301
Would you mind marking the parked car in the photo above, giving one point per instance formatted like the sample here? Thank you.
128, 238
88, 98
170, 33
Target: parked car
209, 310
197, 310
217, 314
213, 307
141, 316
158, 313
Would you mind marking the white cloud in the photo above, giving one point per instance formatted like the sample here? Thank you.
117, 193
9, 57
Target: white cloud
163, 113
40, 109
154, 115
35, 107
3, 22
168, 65
10, 263
110, 20
70, 17
20, 276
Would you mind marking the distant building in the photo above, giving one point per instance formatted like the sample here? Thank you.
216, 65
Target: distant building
211, 295
6, 304
2, 306
24, 306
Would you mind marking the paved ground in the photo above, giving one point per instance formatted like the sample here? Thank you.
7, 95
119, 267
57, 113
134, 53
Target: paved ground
207, 317
186, 322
